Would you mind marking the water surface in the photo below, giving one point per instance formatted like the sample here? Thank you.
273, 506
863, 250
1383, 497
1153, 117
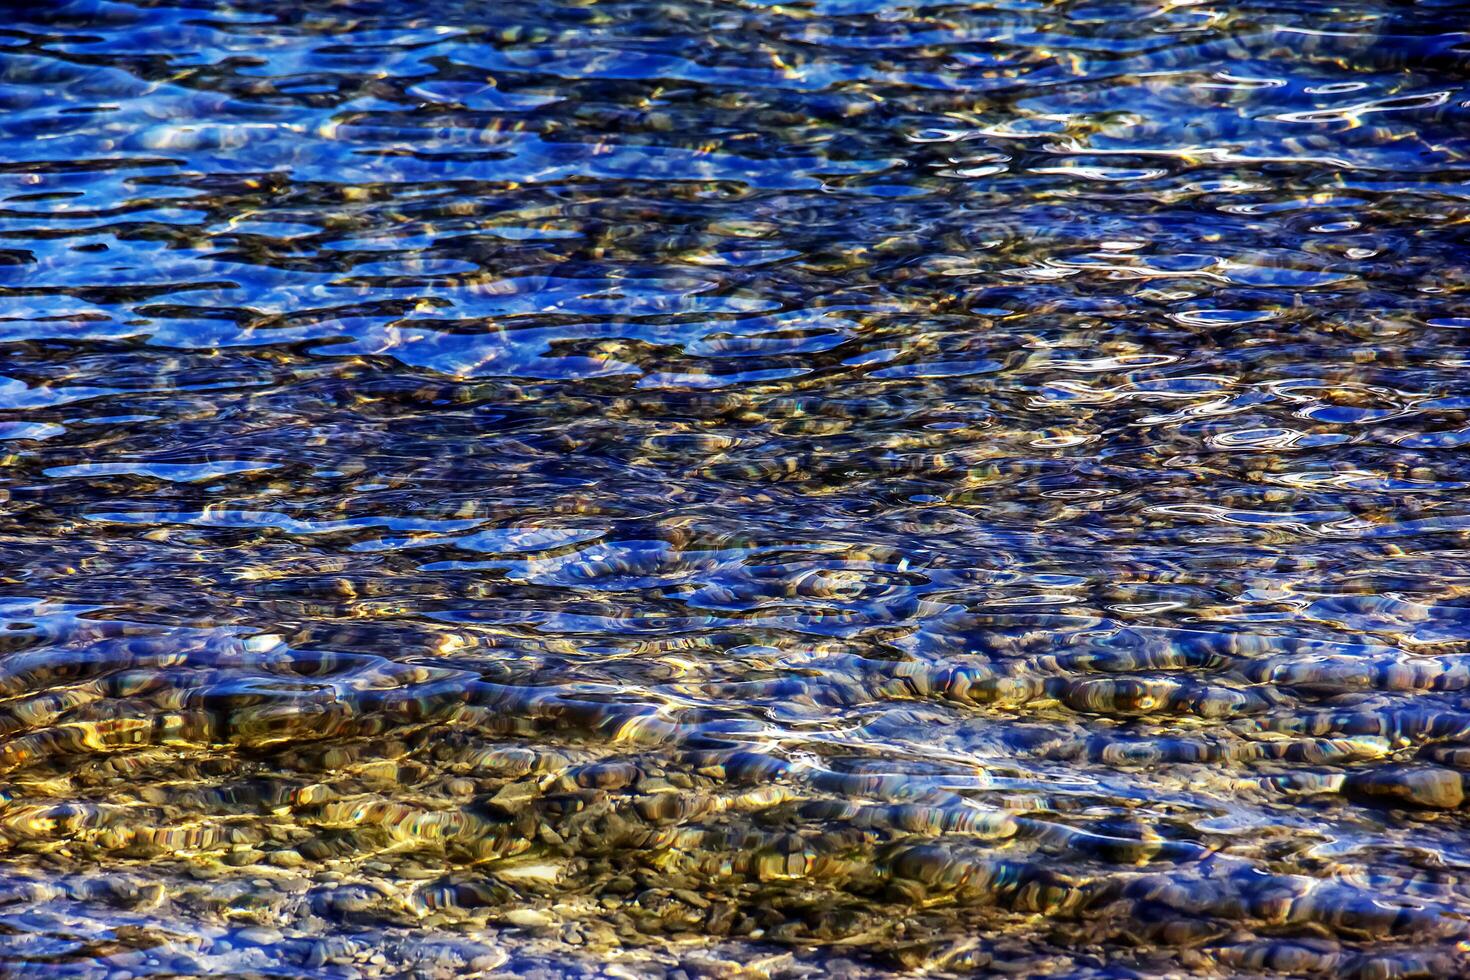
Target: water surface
842, 487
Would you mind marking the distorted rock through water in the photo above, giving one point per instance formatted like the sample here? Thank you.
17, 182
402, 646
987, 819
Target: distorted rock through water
727, 488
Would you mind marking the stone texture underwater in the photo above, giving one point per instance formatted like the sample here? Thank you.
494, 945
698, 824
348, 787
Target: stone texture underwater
727, 488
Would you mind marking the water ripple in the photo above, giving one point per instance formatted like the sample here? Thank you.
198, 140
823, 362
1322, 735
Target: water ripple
726, 488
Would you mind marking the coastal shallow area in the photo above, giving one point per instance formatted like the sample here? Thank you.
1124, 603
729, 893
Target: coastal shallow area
729, 489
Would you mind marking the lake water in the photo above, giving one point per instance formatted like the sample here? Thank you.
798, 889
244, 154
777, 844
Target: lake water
718, 489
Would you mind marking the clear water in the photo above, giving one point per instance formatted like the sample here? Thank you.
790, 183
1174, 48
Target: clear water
846, 487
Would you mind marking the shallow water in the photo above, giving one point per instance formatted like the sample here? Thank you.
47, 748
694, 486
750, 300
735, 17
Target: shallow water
842, 487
